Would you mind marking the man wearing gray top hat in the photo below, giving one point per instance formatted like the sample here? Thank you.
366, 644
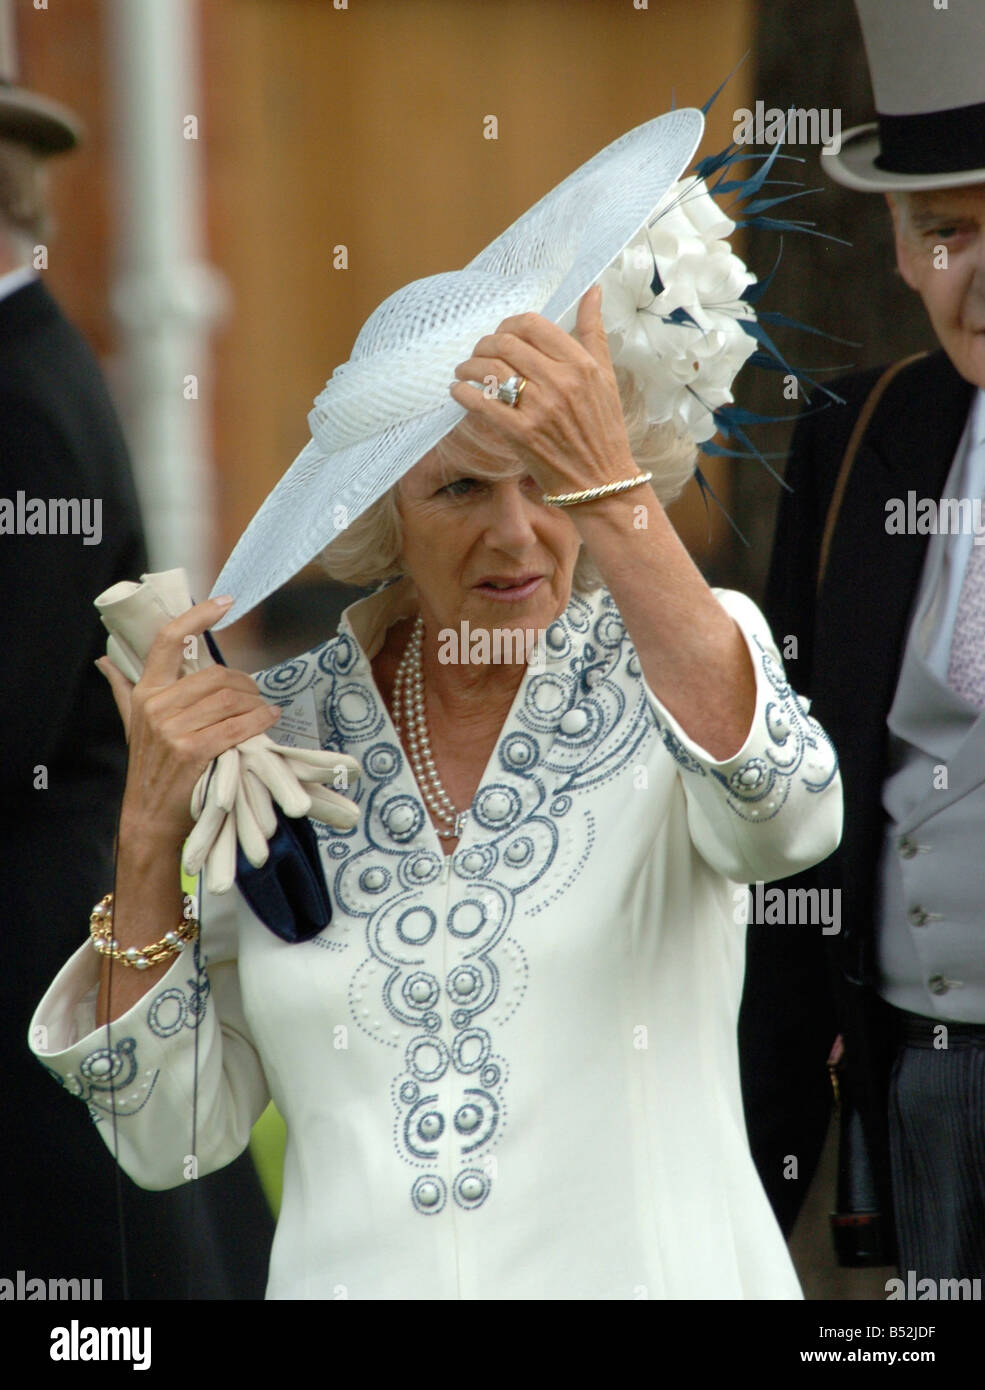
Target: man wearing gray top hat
878, 572
62, 765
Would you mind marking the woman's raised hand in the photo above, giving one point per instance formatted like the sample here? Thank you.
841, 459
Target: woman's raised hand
569, 422
176, 724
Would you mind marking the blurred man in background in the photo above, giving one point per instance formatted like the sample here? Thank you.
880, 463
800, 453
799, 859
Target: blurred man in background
62, 763
883, 588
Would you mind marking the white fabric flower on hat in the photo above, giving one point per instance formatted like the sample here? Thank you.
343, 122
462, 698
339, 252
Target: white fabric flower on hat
685, 368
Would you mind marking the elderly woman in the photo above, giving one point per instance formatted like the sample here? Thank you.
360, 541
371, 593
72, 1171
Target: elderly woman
508, 1066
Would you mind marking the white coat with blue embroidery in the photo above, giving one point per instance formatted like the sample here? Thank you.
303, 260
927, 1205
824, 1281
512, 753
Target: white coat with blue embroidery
510, 1072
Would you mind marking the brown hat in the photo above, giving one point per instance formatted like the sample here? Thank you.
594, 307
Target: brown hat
927, 64
46, 126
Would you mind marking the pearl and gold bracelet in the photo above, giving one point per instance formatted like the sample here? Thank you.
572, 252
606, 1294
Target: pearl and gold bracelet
141, 958
571, 499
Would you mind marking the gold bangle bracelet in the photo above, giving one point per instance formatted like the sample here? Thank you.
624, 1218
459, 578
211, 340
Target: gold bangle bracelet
141, 958
571, 499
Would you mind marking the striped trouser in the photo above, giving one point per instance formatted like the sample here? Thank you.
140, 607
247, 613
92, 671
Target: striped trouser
937, 1147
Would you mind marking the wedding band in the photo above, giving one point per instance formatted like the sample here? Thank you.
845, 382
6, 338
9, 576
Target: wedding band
509, 391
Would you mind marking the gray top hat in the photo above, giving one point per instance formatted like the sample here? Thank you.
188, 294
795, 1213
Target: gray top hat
47, 126
928, 76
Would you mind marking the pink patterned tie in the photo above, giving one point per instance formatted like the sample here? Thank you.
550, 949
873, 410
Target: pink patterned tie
966, 665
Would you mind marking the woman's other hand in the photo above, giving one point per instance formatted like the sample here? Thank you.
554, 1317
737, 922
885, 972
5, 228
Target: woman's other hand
176, 724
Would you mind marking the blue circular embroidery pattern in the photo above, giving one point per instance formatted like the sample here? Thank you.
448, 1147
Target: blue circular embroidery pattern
427, 1058
475, 862
545, 699
429, 1194
110, 1069
751, 778
416, 926
402, 817
578, 615
468, 1118
423, 1127
465, 983
420, 990
581, 725
471, 1188
375, 880
467, 918
382, 761
519, 852
471, 1049
418, 868
345, 654
281, 680
610, 630
558, 641
476, 1120
166, 1015
497, 807
774, 672
431, 1126
519, 753
759, 788
354, 712
397, 933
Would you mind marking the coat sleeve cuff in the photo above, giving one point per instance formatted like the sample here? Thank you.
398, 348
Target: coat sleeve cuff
775, 807
64, 1025
182, 1052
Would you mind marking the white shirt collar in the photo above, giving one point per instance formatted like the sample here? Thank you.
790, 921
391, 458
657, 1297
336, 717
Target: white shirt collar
977, 435
15, 280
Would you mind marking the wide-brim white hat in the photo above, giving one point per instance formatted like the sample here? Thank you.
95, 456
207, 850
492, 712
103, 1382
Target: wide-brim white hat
927, 66
389, 404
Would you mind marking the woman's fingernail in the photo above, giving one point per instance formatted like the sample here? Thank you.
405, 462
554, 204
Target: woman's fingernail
224, 600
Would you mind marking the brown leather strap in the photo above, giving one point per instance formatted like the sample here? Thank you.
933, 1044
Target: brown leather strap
861, 425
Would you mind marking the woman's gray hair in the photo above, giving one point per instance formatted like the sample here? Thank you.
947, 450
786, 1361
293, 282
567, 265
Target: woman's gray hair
368, 551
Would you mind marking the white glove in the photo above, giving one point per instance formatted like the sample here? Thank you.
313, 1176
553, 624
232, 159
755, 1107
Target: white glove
233, 799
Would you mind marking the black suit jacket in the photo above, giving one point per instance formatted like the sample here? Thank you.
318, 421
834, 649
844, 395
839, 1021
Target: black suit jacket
802, 988
62, 765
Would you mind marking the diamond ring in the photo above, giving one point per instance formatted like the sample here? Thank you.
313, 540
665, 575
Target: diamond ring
509, 391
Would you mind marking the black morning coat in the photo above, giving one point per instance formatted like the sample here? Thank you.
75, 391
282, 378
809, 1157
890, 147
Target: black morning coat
59, 438
802, 988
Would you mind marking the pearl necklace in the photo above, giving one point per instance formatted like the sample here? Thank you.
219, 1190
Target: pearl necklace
409, 714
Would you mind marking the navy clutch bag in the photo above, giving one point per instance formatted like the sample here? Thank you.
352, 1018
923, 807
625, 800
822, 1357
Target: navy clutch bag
288, 893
